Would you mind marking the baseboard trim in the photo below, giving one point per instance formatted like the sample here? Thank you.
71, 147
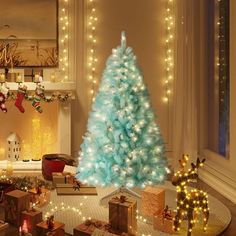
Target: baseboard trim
219, 183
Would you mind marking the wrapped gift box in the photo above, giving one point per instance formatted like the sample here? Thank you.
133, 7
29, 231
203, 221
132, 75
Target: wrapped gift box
58, 229
5, 188
16, 202
62, 178
32, 218
99, 232
162, 223
70, 189
89, 226
122, 214
152, 200
3, 225
40, 197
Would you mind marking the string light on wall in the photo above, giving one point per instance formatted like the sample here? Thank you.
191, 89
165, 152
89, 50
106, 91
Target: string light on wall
91, 54
169, 46
63, 40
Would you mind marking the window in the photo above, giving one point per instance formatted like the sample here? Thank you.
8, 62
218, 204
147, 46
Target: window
218, 79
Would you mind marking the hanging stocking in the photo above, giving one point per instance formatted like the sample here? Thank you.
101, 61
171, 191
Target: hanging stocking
36, 103
2, 102
39, 92
20, 96
3, 96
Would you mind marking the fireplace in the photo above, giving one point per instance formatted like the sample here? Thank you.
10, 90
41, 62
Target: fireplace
48, 132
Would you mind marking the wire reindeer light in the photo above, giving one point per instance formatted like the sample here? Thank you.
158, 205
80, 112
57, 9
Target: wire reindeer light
189, 203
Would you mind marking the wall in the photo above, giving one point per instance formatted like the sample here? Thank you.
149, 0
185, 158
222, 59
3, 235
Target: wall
144, 24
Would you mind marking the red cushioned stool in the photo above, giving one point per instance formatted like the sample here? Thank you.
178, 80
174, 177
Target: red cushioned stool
55, 163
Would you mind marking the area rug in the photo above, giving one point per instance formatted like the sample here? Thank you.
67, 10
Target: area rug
73, 210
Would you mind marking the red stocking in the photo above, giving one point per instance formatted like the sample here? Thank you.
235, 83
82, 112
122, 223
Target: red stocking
19, 99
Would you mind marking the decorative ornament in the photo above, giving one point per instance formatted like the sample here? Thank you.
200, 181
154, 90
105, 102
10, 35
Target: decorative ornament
14, 147
50, 222
189, 203
3, 97
25, 227
39, 94
19, 97
2, 102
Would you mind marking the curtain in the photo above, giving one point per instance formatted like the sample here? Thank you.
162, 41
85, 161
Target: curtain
185, 105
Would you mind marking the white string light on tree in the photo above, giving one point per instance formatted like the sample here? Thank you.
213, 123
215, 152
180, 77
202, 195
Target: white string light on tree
91, 54
63, 40
169, 46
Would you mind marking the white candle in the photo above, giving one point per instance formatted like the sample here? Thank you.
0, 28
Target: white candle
2, 78
19, 78
53, 78
36, 78
9, 169
2, 153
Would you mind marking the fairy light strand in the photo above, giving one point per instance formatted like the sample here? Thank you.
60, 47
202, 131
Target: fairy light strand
92, 40
169, 48
55, 208
63, 40
192, 202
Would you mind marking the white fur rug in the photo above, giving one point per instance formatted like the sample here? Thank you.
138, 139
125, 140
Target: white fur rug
220, 216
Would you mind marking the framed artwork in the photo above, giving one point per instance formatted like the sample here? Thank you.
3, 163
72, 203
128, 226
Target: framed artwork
29, 33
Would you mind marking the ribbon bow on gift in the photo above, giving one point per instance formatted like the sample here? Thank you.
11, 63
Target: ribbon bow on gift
98, 224
95, 223
121, 199
76, 184
166, 214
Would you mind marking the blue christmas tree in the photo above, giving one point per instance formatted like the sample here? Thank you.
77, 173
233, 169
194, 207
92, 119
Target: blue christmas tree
123, 145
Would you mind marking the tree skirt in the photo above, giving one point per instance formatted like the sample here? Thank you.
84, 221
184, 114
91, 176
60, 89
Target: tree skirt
220, 216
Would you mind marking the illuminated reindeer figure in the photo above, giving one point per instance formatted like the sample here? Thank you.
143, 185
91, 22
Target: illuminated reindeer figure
189, 202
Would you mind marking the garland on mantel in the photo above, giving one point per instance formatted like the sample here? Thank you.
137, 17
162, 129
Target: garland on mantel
55, 96
35, 97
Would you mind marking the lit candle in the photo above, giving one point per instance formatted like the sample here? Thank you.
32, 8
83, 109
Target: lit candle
36, 147
36, 78
9, 169
2, 153
25, 227
19, 78
25, 151
2, 78
20, 231
53, 78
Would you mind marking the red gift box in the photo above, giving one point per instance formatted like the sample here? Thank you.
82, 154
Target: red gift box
32, 218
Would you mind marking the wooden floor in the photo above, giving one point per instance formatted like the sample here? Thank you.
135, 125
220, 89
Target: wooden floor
230, 231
